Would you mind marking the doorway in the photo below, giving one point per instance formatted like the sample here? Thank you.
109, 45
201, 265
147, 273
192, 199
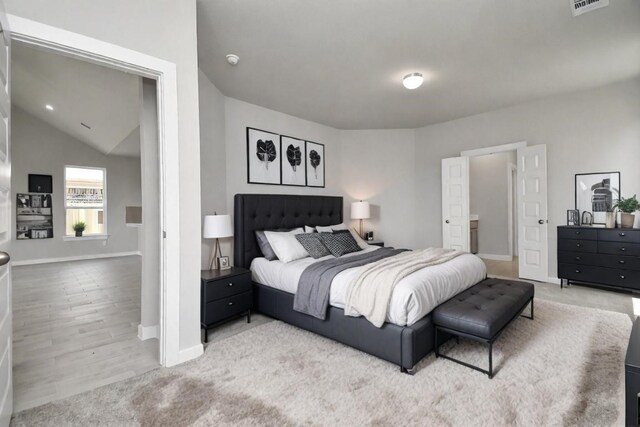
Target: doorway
517, 211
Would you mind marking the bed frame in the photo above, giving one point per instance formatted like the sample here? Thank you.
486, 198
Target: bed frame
402, 345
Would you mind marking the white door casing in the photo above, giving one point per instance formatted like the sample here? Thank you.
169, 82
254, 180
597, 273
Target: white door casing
6, 375
455, 203
532, 213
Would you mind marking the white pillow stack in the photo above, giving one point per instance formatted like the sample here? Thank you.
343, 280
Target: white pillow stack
331, 228
285, 245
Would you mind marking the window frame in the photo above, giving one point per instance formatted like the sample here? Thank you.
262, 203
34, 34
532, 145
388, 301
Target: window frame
93, 236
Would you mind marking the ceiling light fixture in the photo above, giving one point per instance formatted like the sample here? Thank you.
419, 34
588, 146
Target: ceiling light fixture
49, 107
233, 59
413, 80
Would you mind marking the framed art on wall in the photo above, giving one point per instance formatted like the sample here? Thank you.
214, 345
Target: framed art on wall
315, 164
34, 218
293, 161
263, 157
597, 193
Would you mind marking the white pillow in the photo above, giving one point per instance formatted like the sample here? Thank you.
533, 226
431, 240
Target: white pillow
286, 246
308, 229
332, 228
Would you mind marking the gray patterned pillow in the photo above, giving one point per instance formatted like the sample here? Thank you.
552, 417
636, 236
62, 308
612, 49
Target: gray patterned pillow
313, 244
339, 243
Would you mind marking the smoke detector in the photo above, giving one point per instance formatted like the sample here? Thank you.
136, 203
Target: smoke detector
233, 59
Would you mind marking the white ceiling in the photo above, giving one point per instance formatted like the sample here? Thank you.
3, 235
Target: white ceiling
341, 62
105, 99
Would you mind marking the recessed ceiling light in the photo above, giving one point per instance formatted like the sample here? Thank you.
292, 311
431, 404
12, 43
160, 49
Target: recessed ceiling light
49, 107
233, 59
413, 80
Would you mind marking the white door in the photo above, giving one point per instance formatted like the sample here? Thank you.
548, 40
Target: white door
532, 213
455, 203
6, 389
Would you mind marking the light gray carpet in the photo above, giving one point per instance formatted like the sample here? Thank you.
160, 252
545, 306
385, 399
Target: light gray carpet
563, 368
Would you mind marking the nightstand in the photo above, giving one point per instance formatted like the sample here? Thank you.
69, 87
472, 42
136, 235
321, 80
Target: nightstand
224, 294
375, 243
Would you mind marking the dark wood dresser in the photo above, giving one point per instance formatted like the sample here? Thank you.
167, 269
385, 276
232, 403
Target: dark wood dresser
603, 256
224, 294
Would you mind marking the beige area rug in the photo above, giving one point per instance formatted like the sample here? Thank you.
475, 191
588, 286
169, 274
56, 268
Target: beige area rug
563, 368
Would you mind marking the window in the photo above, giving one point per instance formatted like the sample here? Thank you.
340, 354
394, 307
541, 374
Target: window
85, 199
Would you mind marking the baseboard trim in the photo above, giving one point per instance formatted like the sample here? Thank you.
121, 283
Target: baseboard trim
75, 258
147, 332
191, 353
554, 280
496, 257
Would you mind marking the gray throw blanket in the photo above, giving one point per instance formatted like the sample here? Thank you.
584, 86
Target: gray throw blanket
314, 287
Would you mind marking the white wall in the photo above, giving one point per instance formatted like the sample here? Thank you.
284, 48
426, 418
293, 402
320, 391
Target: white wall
37, 147
587, 131
489, 198
213, 169
165, 29
378, 166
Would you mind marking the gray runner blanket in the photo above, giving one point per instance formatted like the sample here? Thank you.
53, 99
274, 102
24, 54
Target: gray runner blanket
314, 287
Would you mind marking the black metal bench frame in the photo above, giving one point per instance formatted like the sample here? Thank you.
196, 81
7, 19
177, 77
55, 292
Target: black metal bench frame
490, 341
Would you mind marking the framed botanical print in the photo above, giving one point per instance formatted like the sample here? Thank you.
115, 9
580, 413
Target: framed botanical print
263, 157
293, 161
597, 193
315, 164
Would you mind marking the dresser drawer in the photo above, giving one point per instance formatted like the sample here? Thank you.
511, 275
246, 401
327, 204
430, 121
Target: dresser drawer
617, 261
618, 248
226, 286
227, 307
618, 235
577, 233
606, 276
582, 258
573, 245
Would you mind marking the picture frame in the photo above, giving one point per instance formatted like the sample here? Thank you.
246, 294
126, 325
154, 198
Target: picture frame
573, 217
34, 216
597, 192
263, 157
293, 161
315, 164
223, 263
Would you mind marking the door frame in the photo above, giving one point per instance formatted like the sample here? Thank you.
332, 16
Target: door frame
164, 73
511, 168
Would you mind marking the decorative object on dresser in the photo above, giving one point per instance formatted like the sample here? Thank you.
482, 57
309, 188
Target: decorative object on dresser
360, 211
217, 227
628, 207
573, 217
224, 295
605, 257
596, 193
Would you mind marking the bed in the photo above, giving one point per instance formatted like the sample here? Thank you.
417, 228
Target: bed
408, 334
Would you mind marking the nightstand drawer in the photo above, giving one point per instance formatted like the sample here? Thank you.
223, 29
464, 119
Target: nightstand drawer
227, 286
227, 307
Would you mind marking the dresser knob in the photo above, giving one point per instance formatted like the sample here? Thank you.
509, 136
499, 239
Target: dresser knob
622, 277
230, 284
621, 234
577, 232
621, 261
577, 271
578, 258
623, 249
230, 303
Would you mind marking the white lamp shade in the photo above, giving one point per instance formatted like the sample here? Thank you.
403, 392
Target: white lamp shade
360, 210
217, 226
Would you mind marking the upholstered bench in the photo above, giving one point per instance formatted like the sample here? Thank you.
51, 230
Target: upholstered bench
481, 313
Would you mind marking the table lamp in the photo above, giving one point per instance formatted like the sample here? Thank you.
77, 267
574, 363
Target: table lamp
216, 227
360, 210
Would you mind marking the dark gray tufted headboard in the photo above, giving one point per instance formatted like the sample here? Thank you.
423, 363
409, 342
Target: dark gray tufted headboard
253, 212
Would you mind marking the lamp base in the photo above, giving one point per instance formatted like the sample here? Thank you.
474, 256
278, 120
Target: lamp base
213, 263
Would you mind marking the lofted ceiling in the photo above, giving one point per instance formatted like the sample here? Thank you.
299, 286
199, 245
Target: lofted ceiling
340, 63
105, 99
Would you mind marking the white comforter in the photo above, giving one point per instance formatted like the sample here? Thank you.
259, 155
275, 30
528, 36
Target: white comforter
412, 298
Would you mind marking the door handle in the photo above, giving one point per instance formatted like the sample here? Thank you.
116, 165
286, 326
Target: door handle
4, 258
540, 221
447, 221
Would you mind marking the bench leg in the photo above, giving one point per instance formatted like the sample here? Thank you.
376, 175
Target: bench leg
531, 311
490, 360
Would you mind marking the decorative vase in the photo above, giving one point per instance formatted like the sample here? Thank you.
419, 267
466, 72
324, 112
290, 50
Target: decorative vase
627, 220
611, 220
78, 233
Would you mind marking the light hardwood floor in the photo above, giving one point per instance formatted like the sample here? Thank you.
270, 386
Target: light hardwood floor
75, 328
